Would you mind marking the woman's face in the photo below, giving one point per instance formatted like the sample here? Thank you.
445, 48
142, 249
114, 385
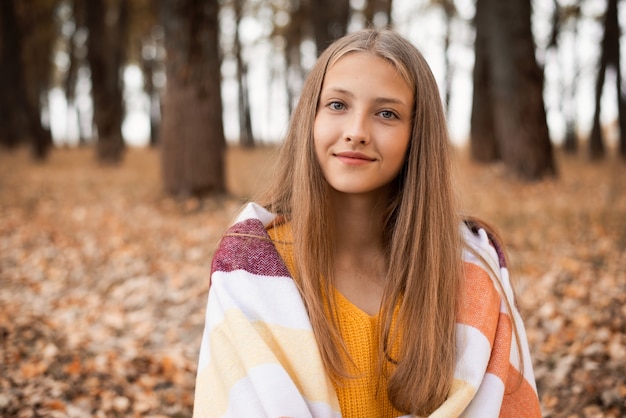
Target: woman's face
363, 123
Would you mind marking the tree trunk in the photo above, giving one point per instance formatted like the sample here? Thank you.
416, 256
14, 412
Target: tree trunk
192, 133
377, 13
596, 141
246, 137
299, 27
39, 34
560, 17
516, 89
622, 125
570, 144
330, 21
614, 54
449, 11
608, 57
20, 109
483, 144
11, 115
78, 62
149, 62
105, 55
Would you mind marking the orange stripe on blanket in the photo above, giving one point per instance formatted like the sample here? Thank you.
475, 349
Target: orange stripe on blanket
481, 304
520, 399
499, 362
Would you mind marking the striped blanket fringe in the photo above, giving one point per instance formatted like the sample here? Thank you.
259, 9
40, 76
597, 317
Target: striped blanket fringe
259, 358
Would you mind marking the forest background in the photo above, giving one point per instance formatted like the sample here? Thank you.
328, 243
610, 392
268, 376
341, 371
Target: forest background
105, 245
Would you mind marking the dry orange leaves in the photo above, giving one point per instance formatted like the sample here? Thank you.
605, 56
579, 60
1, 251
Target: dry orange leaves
104, 281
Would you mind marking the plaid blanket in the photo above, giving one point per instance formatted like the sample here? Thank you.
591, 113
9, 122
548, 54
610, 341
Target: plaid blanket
259, 357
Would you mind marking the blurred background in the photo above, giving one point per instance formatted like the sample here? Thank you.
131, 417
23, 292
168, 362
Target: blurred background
198, 75
131, 131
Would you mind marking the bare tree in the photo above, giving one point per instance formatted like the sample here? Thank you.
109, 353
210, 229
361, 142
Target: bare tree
26, 42
192, 132
508, 89
562, 17
609, 58
246, 137
330, 21
484, 145
151, 67
38, 30
105, 53
298, 28
449, 10
12, 126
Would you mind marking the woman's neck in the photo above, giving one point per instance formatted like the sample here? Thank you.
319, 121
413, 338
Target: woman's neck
360, 264
358, 222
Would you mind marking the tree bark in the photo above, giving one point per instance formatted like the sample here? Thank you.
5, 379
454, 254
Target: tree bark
20, 106
610, 56
560, 17
622, 123
151, 61
246, 136
570, 144
516, 88
12, 126
300, 27
483, 143
330, 21
39, 34
596, 138
449, 11
105, 46
192, 133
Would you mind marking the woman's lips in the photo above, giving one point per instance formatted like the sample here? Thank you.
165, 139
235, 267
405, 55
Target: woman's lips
354, 158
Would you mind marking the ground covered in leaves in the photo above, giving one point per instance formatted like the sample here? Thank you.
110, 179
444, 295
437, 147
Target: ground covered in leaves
103, 280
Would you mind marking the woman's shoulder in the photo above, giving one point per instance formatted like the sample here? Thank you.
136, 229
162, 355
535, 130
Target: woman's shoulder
484, 249
247, 246
480, 236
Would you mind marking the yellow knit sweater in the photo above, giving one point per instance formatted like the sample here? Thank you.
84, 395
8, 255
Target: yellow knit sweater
363, 395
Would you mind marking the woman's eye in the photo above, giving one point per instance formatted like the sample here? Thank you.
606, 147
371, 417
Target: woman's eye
336, 106
387, 114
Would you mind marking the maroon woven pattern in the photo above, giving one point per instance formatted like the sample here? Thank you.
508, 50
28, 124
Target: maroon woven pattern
247, 252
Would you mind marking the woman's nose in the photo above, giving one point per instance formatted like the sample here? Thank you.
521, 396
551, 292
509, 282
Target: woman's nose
357, 129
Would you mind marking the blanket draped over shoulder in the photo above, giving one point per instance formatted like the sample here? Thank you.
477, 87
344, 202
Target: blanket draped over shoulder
259, 357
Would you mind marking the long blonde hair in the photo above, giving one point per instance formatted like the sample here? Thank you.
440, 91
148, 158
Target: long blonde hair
423, 242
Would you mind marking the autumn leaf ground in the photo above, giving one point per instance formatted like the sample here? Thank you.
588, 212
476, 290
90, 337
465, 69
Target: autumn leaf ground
103, 280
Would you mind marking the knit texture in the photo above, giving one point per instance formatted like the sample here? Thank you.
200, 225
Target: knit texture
365, 394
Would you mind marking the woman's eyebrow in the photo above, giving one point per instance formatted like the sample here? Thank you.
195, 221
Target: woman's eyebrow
392, 100
337, 90
378, 100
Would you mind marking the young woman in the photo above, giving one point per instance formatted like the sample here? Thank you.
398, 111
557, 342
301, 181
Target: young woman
355, 288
